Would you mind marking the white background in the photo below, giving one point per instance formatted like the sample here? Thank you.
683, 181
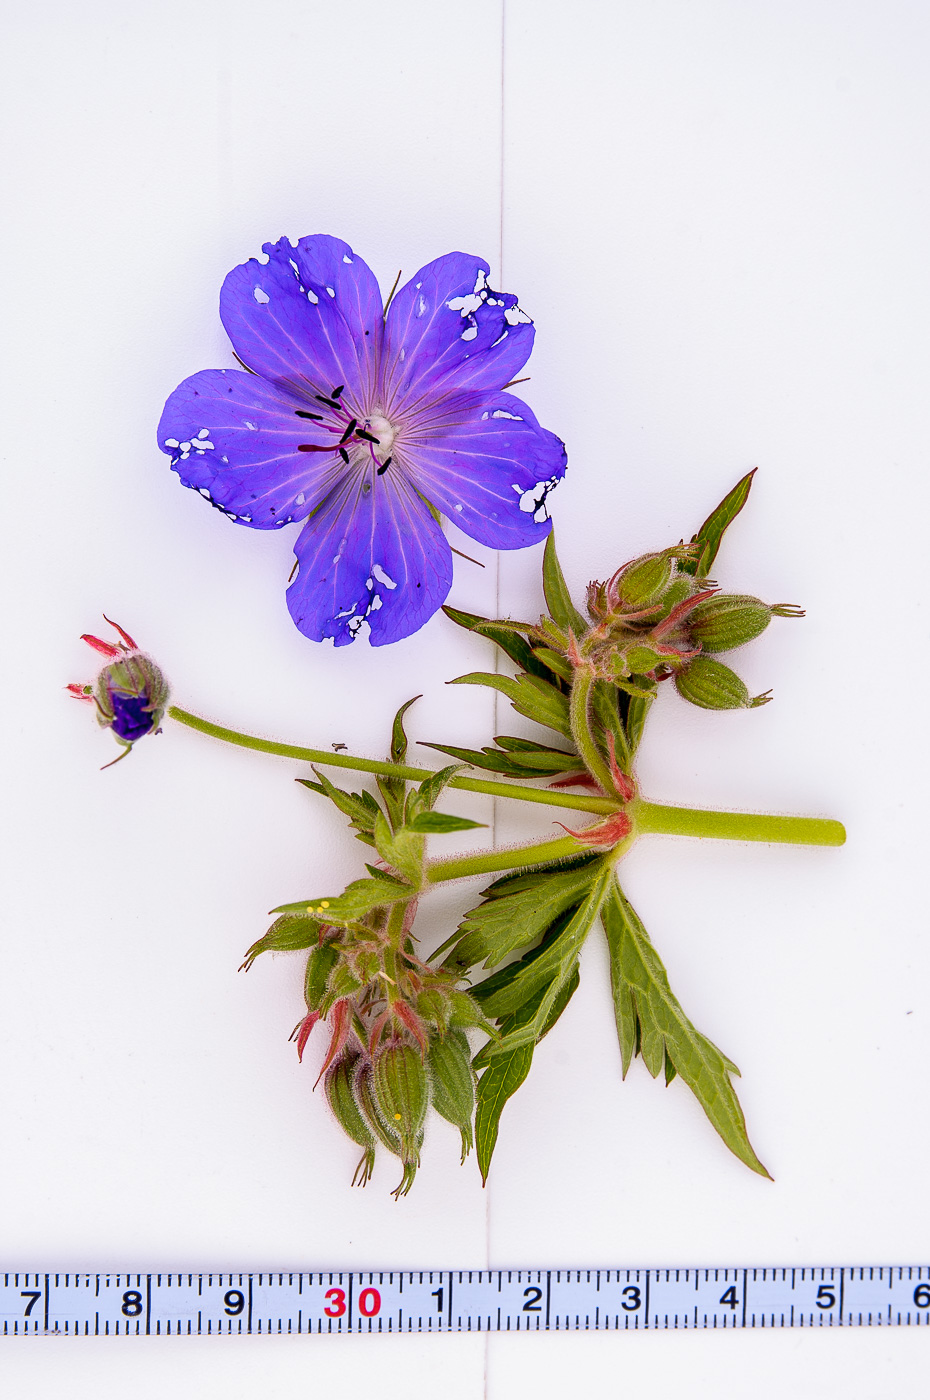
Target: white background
717, 214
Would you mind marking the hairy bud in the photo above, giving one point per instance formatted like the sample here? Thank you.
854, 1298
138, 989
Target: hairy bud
728, 620
449, 1061
713, 686
338, 1085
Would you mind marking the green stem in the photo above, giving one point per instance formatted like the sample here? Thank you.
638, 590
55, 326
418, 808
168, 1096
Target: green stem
579, 703
546, 796
517, 857
657, 818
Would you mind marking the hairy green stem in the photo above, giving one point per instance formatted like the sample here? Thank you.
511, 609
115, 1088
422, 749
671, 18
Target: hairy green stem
516, 857
657, 818
547, 796
579, 716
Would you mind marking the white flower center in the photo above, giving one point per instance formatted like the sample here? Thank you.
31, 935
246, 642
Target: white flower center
384, 430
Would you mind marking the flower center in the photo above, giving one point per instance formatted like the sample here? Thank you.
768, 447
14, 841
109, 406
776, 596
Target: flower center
383, 429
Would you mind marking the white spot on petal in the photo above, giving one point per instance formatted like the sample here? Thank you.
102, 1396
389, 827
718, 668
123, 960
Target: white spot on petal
382, 577
251, 426
466, 305
261, 297
172, 442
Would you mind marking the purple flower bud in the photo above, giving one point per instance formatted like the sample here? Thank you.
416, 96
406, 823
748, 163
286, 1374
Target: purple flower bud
130, 693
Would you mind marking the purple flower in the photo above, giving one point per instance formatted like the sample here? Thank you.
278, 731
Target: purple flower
367, 425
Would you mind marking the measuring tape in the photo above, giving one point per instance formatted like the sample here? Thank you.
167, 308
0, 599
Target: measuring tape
495, 1300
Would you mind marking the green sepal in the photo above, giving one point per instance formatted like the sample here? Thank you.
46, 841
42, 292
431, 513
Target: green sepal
519, 916
358, 899
343, 982
560, 665
558, 598
428, 823
430, 788
637, 709
650, 1021
392, 795
377, 873
712, 531
316, 978
505, 634
466, 1014
392, 789
288, 934
401, 848
606, 710
530, 696
398, 737
360, 807
503, 1076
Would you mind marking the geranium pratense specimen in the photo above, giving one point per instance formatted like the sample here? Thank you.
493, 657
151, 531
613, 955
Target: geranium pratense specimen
588, 676
367, 424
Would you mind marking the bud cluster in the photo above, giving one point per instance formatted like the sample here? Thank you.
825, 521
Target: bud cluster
397, 1042
655, 619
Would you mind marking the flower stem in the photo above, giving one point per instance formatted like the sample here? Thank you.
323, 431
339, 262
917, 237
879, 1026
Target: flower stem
579, 703
517, 857
546, 796
657, 818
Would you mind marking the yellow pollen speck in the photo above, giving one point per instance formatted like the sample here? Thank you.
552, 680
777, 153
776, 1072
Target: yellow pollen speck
397, 1116
325, 904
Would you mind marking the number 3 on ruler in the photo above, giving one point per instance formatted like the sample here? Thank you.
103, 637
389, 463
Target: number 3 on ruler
335, 1302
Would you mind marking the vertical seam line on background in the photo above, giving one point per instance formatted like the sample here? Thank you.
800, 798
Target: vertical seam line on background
497, 595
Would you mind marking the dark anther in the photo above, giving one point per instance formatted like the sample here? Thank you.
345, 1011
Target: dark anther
302, 413
384, 465
369, 437
321, 398
337, 391
313, 447
344, 455
349, 430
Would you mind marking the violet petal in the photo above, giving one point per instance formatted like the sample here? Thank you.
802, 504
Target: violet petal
304, 334
488, 471
235, 438
374, 553
468, 344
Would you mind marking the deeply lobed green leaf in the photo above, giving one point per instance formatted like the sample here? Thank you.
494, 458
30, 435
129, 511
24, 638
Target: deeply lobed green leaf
650, 1021
503, 923
529, 695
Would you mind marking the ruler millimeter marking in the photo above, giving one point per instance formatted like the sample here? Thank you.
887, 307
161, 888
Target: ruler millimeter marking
461, 1300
